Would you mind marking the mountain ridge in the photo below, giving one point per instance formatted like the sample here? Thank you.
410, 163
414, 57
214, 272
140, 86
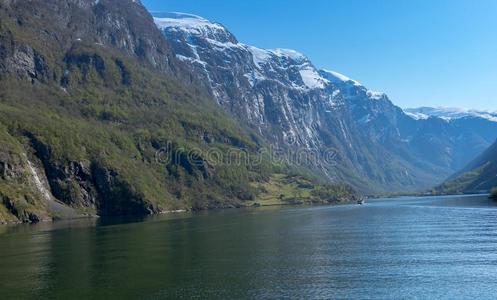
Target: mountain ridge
285, 97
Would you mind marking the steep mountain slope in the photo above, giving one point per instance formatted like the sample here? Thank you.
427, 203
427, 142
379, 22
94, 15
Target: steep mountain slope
94, 119
300, 109
479, 176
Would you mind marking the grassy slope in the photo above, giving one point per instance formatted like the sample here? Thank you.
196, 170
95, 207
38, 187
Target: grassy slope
283, 189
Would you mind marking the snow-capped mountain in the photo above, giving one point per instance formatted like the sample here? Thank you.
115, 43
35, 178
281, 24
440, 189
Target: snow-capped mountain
450, 113
298, 107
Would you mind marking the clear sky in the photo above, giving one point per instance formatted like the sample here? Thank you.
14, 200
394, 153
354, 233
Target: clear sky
420, 52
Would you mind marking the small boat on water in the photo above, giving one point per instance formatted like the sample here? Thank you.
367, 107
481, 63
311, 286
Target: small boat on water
362, 200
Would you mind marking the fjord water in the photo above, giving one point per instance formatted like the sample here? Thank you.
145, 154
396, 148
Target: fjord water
443, 247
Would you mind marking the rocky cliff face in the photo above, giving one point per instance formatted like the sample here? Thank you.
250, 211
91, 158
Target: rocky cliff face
25, 193
125, 25
298, 108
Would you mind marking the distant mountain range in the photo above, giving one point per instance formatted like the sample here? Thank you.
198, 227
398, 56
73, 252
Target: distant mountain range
450, 113
296, 106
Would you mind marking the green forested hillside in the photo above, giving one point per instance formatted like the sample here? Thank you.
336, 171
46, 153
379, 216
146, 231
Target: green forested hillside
109, 130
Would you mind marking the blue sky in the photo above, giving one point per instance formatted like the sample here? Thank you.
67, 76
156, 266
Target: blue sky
420, 52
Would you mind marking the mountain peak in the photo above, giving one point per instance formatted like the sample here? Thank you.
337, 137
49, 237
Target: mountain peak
193, 25
342, 80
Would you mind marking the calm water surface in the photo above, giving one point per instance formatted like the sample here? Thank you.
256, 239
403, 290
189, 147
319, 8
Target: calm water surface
402, 248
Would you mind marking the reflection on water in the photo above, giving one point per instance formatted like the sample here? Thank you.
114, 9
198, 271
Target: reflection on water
401, 248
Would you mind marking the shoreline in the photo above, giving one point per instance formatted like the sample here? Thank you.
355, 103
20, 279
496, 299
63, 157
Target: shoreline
176, 211
252, 205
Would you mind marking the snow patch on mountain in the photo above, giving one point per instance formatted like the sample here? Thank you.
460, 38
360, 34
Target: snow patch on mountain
336, 77
284, 59
312, 79
289, 54
192, 23
260, 56
416, 115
